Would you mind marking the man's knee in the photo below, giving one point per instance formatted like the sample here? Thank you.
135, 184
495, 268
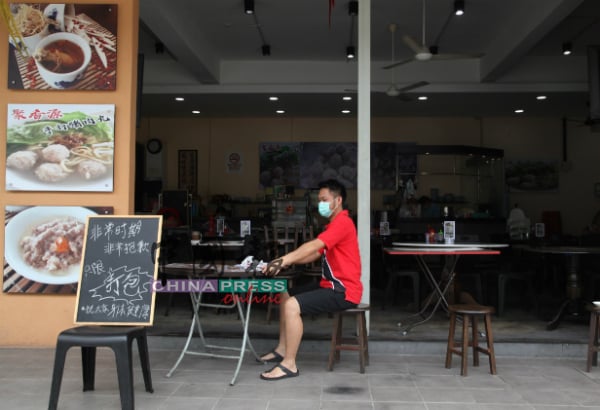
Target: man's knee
291, 306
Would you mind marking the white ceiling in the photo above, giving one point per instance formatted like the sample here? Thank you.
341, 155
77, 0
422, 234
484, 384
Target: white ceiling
212, 56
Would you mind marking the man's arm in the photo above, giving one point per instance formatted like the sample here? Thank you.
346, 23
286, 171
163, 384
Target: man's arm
306, 253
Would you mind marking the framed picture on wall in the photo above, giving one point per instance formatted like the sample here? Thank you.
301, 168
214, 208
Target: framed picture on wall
43, 247
60, 147
74, 47
532, 176
188, 170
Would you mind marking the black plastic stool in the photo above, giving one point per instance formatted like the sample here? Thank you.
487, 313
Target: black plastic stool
359, 344
119, 339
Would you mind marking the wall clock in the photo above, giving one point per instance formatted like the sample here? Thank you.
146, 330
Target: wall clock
154, 146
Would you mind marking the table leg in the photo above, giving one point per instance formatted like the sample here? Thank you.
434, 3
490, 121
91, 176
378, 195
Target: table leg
244, 314
441, 301
195, 321
571, 304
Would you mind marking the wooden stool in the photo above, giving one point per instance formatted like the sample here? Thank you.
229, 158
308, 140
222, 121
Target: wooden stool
359, 343
593, 343
470, 313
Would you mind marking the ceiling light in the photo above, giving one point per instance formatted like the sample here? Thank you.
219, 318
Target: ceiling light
541, 97
280, 111
345, 111
350, 52
249, 6
353, 8
347, 98
273, 98
566, 48
459, 7
422, 98
266, 50
519, 111
195, 112
179, 99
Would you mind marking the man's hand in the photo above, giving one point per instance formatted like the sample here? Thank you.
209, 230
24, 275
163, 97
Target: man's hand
273, 267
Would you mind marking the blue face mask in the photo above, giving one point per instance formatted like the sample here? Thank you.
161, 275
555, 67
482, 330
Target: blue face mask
324, 209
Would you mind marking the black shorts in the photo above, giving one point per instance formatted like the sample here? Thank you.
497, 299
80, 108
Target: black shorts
314, 299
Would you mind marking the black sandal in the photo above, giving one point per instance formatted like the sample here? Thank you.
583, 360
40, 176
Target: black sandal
277, 358
274, 267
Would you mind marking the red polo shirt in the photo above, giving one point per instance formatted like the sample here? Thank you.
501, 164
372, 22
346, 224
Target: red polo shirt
341, 262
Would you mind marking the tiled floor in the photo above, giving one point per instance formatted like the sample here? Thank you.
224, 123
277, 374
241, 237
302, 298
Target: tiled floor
391, 382
537, 369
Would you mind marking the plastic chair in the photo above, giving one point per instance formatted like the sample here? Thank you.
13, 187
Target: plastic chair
119, 339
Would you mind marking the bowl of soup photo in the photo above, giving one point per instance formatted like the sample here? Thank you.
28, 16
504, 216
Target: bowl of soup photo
62, 58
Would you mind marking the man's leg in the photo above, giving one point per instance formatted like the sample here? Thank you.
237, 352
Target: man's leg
281, 344
292, 336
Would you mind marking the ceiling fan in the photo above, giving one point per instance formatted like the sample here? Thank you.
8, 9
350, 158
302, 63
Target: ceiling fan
425, 53
393, 90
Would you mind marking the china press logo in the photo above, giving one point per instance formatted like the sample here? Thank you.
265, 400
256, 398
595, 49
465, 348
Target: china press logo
232, 287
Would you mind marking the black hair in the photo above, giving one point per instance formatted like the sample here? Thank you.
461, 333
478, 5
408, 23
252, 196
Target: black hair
335, 187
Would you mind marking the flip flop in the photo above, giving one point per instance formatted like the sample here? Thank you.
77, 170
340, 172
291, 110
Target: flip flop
277, 358
286, 373
274, 267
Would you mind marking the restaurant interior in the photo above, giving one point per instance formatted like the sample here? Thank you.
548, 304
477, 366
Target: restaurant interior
490, 117
494, 126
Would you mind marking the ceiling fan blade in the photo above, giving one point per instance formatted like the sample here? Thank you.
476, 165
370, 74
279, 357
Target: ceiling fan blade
412, 86
413, 45
456, 56
396, 64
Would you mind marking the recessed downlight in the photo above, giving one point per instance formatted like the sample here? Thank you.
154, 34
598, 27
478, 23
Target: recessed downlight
347, 98
179, 99
195, 112
541, 97
519, 111
280, 111
345, 111
273, 98
422, 98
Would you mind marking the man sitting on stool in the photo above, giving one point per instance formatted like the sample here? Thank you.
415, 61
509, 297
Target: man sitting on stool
340, 287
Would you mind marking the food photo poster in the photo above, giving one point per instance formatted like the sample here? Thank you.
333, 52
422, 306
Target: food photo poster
62, 46
60, 147
43, 246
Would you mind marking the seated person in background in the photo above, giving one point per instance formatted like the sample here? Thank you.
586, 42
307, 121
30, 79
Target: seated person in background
410, 209
340, 287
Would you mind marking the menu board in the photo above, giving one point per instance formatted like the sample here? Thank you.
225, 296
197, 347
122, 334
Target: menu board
118, 270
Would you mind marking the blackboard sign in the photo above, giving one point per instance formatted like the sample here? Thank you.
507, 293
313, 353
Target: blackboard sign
118, 269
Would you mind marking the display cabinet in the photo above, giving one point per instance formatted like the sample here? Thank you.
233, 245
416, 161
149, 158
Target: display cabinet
468, 180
